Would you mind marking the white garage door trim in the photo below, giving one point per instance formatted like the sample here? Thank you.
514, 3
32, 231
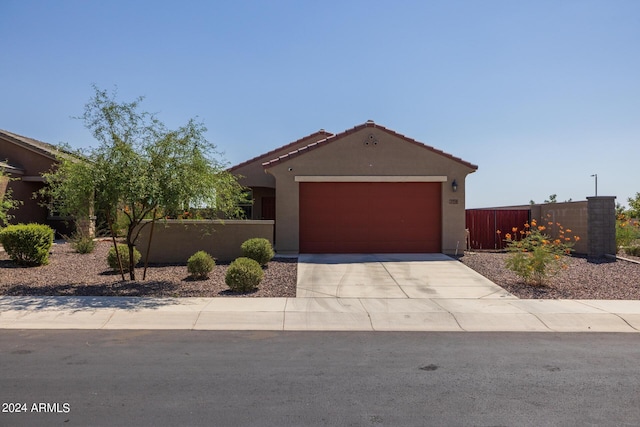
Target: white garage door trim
370, 178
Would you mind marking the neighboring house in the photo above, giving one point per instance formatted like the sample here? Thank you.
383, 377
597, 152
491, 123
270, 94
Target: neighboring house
365, 190
25, 160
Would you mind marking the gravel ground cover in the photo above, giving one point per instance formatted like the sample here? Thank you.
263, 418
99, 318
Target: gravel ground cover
70, 273
599, 278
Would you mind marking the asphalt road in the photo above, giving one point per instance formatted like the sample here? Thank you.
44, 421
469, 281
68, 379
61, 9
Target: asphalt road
295, 379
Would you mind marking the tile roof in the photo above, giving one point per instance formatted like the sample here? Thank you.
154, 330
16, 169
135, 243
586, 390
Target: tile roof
270, 154
368, 124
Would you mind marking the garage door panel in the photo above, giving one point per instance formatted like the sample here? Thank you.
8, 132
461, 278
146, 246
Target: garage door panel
370, 217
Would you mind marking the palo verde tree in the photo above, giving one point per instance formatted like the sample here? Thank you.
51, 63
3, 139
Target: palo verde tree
141, 170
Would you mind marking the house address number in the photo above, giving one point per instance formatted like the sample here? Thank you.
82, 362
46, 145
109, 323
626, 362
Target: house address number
453, 201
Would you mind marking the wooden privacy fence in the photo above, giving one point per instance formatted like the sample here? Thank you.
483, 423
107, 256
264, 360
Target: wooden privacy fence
483, 225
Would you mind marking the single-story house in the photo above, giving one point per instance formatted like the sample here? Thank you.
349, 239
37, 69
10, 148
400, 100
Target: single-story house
25, 160
368, 189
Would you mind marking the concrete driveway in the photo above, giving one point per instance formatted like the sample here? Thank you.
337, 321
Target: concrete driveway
391, 276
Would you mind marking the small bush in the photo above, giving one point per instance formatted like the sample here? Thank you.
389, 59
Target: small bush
82, 243
123, 250
200, 265
258, 249
243, 275
536, 256
627, 231
27, 244
632, 250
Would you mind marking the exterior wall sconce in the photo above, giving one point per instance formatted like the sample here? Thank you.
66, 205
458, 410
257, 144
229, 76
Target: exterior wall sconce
454, 186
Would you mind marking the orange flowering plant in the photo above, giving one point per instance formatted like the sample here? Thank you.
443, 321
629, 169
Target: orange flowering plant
534, 255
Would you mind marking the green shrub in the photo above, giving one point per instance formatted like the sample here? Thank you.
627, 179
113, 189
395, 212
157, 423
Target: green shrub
627, 231
258, 249
243, 275
633, 250
123, 250
200, 265
535, 256
27, 244
82, 243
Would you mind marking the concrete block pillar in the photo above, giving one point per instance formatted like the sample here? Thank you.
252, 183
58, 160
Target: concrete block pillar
601, 225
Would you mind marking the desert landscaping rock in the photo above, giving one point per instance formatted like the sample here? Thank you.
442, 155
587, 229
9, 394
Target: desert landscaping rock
599, 278
70, 273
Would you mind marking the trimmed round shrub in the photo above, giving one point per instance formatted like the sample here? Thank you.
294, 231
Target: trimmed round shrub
243, 275
200, 265
258, 249
123, 251
27, 244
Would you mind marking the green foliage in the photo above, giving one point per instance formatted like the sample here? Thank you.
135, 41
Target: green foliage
27, 244
633, 250
7, 203
123, 251
141, 169
243, 275
634, 206
627, 231
258, 249
200, 265
82, 243
536, 256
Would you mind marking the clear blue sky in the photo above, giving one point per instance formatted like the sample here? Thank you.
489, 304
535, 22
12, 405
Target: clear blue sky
539, 94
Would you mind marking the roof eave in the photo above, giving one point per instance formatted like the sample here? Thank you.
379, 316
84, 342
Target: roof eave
271, 152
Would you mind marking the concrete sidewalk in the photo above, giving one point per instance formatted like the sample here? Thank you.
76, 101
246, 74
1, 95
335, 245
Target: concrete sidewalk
373, 292
320, 314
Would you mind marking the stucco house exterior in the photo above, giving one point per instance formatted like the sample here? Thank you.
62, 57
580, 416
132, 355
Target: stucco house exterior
25, 160
368, 189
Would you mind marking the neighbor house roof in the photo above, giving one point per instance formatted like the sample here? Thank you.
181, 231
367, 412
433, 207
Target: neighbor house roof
269, 155
39, 147
368, 124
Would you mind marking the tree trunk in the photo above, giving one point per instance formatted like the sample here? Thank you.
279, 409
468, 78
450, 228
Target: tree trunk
115, 245
146, 258
132, 270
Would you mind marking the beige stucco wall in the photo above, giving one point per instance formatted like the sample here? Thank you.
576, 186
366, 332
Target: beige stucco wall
356, 154
174, 241
252, 173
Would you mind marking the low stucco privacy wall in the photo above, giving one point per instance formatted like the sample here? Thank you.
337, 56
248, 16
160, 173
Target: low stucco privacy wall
174, 241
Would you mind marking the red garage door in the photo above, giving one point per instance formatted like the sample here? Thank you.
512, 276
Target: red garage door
370, 217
